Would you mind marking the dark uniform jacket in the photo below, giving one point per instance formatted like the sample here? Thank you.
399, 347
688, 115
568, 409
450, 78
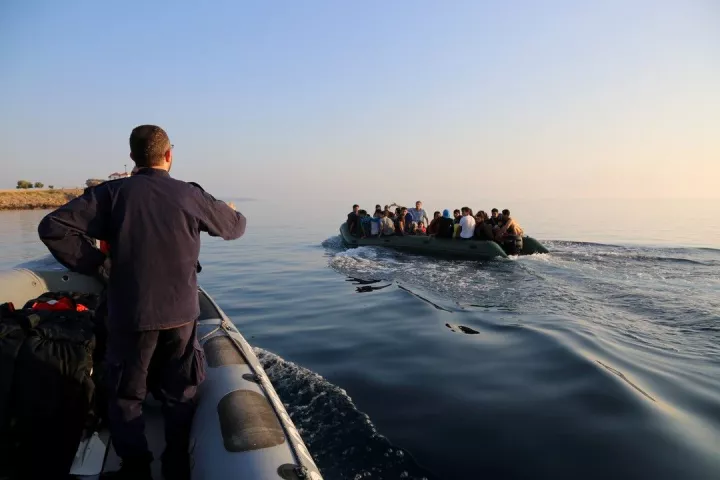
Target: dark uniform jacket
153, 224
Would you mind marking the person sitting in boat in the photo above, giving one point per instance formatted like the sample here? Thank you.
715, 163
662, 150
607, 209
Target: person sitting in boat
420, 228
408, 220
401, 224
353, 221
364, 221
432, 229
387, 226
389, 213
445, 225
418, 214
493, 220
483, 229
467, 225
457, 216
508, 227
375, 223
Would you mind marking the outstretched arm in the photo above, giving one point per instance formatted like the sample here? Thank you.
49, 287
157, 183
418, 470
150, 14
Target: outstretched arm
218, 218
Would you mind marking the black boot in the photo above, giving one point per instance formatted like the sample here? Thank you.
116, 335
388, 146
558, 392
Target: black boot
131, 469
175, 467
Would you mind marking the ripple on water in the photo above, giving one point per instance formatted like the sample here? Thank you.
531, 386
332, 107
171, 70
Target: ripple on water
636, 363
344, 442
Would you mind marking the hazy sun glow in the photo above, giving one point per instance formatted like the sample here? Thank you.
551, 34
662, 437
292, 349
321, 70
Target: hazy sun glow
335, 100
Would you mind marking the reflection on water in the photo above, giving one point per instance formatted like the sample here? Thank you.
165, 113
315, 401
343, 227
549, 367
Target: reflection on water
366, 285
19, 237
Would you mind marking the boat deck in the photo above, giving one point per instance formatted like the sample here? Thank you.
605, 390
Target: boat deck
154, 431
240, 429
152, 413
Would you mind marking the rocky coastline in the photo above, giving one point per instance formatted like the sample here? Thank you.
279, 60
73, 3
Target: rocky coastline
35, 199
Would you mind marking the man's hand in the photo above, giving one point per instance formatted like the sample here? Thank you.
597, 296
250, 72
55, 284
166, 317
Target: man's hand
103, 274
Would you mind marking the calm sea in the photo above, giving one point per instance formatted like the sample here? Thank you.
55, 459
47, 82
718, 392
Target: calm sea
598, 360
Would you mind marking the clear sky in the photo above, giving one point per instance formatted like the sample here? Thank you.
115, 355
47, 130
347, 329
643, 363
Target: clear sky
370, 100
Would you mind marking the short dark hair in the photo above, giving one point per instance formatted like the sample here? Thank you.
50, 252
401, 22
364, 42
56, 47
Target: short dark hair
456, 211
436, 213
465, 209
494, 210
148, 145
356, 206
506, 213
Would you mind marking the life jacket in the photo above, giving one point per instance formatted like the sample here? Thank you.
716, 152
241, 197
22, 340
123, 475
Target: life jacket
514, 228
63, 301
457, 228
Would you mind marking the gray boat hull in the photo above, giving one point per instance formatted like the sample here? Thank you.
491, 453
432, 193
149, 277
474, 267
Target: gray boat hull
426, 245
240, 428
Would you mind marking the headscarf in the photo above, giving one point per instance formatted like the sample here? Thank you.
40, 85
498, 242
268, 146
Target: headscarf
446, 213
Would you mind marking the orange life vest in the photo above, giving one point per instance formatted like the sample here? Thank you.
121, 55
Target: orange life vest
63, 303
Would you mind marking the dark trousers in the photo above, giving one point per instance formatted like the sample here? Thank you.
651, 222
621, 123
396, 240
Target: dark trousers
170, 364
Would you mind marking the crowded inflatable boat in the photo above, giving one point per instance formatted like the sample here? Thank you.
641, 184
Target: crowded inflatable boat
464, 233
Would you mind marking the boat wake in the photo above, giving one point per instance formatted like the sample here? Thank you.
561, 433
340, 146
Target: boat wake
343, 441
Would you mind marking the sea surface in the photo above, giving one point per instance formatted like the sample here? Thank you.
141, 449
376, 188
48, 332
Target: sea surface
598, 360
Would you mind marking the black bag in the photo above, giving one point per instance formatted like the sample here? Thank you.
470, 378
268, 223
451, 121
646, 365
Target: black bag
52, 399
12, 336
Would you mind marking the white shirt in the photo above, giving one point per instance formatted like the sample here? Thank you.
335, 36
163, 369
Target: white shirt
387, 226
467, 226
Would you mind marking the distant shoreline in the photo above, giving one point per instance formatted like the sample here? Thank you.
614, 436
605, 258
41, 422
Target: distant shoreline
36, 199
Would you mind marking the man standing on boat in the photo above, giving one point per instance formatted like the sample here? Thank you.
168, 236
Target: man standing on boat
152, 223
419, 214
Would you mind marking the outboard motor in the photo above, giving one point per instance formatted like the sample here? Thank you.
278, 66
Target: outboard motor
512, 244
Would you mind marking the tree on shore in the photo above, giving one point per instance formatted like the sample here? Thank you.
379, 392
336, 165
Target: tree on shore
93, 182
51, 187
39, 185
24, 184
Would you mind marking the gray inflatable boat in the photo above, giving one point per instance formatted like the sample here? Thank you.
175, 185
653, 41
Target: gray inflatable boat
240, 428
